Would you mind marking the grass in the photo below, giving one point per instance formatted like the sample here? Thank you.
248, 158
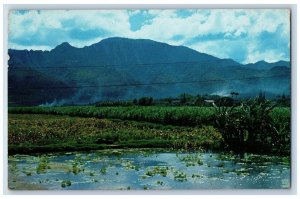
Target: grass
44, 133
183, 115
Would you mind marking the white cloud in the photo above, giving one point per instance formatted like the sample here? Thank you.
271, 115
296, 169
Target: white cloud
221, 48
22, 47
45, 29
269, 56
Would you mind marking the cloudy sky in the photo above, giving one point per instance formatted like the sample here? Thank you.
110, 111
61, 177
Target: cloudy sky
246, 36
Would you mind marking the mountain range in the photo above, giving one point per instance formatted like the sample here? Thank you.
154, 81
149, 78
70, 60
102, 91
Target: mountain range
121, 68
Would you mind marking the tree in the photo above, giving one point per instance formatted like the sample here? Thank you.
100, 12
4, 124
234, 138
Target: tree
234, 94
183, 99
200, 101
261, 96
169, 100
145, 101
135, 101
283, 101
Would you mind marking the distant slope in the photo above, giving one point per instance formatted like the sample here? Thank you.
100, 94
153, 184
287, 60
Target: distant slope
30, 87
263, 65
110, 51
120, 68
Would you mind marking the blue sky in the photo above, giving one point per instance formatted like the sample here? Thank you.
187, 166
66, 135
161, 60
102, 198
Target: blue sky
246, 36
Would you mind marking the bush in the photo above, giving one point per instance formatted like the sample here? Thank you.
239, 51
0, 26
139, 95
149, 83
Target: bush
250, 127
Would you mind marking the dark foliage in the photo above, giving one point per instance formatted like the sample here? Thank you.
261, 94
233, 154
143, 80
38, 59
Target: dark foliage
284, 101
145, 101
249, 127
113, 103
224, 101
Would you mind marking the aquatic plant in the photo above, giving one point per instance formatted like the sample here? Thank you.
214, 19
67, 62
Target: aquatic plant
196, 176
192, 159
129, 165
163, 171
76, 169
43, 165
28, 173
226, 171
159, 182
103, 170
241, 171
66, 183
221, 164
180, 176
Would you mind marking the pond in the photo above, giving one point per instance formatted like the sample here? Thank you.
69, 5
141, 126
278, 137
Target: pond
147, 169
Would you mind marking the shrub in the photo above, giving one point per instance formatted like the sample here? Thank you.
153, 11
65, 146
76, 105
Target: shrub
251, 127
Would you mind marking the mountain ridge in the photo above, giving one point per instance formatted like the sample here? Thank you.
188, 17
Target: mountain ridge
124, 61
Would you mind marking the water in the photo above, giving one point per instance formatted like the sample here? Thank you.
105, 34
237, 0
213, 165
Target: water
147, 169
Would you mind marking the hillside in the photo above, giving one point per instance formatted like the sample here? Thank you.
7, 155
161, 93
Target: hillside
120, 68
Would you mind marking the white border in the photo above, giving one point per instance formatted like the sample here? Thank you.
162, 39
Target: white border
119, 4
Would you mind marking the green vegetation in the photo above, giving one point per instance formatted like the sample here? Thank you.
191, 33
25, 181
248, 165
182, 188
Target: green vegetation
254, 126
103, 170
107, 167
180, 176
192, 160
144, 101
163, 171
66, 183
159, 182
41, 133
241, 127
43, 165
194, 100
183, 115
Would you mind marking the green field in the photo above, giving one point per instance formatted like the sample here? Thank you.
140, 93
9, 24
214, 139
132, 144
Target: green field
35, 132
32, 129
181, 115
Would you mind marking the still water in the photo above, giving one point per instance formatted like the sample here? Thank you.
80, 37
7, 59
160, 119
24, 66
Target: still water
147, 169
